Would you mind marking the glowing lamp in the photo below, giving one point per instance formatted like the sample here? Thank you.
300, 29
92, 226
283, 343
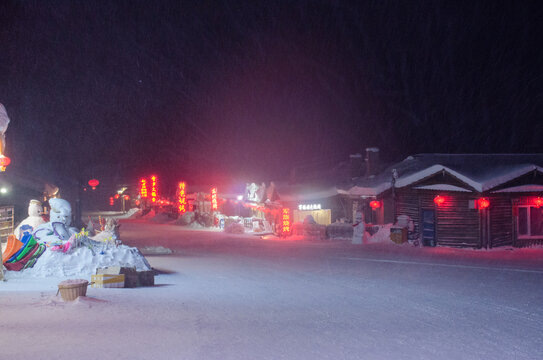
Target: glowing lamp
483, 203
117, 196
93, 183
439, 200
375, 204
538, 202
127, 197
111, 201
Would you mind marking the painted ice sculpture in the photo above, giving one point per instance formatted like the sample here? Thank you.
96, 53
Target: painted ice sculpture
57, 230
34, 219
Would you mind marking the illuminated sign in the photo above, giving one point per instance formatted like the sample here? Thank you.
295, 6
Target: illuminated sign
286, 221
143, 188
111, 201
154, 188
182, 198
214, 205
309, 207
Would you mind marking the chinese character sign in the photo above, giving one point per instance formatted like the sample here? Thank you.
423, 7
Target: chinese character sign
154, 188
182, 198
214, 204
285, 213
143, 188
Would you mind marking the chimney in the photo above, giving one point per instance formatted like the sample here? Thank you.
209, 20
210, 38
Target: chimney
357, 165
372, 161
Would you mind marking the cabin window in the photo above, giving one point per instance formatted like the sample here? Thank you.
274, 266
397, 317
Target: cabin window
530, 222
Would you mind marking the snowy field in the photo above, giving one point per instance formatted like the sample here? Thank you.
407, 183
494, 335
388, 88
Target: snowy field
224, 296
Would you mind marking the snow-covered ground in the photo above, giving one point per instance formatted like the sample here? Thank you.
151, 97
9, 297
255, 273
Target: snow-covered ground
226, 296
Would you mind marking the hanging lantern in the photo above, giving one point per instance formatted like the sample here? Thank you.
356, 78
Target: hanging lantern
483, 203
111, 201
117, 196
439, 200
4, 161
126, 197
538, 202
375, 204
93, 183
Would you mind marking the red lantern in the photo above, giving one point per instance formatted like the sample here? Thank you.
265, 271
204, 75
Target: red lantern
4, 161
439, 200
117, 196
538, 202
127, 197
375, 204
93, 183
483, 203
111, 201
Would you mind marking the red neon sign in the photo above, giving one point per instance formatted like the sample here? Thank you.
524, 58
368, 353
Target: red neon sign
286, 220
214, 204
483, 203
375, 204
182, 198
154, 188
111, 201
143, 188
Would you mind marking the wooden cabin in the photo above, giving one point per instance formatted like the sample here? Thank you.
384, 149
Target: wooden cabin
473, 200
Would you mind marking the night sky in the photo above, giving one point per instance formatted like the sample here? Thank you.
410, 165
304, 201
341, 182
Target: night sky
212, 90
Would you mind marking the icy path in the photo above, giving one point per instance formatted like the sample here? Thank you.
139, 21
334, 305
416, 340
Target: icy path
239, 297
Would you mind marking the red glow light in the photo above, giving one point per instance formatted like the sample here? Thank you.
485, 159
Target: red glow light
483, 203
538, 202
127, 197
111, 201
375, 204
439, 200
117, 196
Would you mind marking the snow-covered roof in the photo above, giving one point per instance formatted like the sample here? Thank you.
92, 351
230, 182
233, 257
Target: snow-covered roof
443, 187
521, 188
481, 172
305, 192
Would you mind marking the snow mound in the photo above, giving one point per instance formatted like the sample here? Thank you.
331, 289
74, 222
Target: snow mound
83, 262
161, 218
155, 250
131, 214
381, 236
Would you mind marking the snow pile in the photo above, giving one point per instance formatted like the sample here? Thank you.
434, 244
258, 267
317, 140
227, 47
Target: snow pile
161, 218
381, 236
235, 228
84, 261
151, 214
131, 214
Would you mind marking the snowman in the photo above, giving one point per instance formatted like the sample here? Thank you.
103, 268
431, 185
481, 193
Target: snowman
57, 231
34, 219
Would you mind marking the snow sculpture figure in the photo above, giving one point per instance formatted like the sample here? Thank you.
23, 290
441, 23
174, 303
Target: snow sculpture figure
358, 228
57, 230
34, 219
